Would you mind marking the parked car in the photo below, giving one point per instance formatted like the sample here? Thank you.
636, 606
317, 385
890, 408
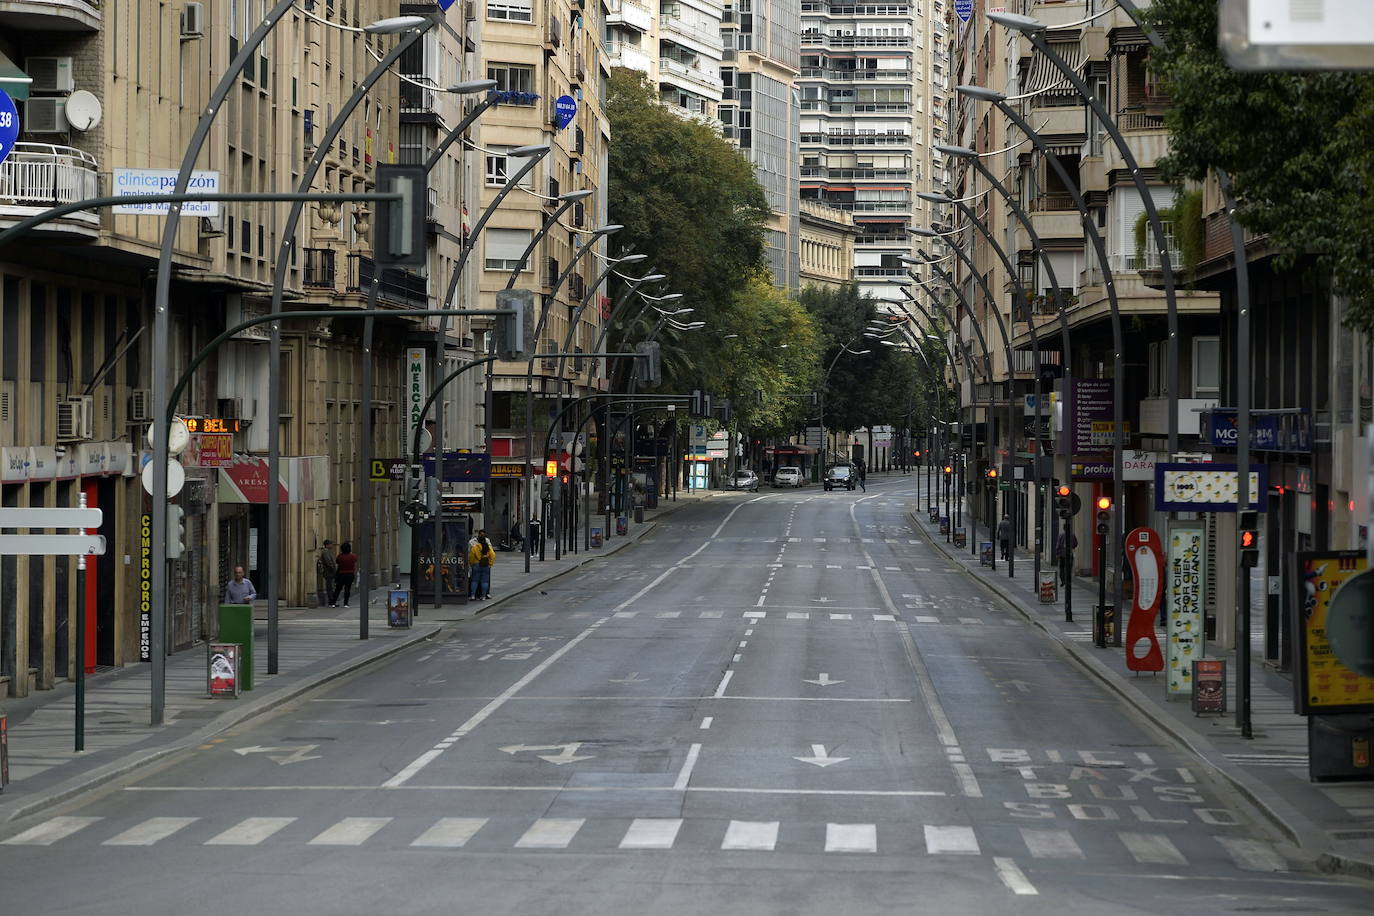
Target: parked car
839, 475
788, 477
744, 479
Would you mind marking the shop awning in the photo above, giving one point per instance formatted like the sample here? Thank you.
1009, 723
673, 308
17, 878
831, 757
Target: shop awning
13, 80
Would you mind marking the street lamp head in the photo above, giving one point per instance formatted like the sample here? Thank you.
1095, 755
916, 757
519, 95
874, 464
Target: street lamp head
1017, 23
394, 24
958, 152
524, 152
729, 337
981, 93
782, 346
908, 259
468, 87
608, 229
576, 195
860, 352
924, 233
630, 259
652, 278
933, 197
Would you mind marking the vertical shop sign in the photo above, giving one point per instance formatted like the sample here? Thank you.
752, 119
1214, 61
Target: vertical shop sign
145, 588
1184, 575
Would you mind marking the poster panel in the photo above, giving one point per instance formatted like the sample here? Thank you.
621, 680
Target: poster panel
1145, 553
1323, 685
1185, 572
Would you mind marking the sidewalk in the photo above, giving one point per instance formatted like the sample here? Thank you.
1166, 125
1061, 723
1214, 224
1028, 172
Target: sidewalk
1331, 821
315, 646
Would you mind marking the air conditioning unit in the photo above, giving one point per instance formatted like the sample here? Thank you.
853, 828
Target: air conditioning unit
212, 226
46, 116
49, 74
140, 405
230, 407
193, 20
470, 11
74, 416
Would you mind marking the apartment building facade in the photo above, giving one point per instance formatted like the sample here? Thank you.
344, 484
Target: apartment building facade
873, 86
116, 90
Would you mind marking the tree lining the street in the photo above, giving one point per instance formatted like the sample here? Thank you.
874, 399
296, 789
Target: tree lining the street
1299, 148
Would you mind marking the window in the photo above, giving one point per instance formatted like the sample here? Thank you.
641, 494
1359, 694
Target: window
500, 165
1206, 367
513, 10
505, 247
512, 78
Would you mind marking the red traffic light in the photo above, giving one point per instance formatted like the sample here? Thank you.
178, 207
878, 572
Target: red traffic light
1064, 490
992, 473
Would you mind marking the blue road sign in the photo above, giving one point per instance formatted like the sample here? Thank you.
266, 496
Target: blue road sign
564, 108
445, 4
963, 9
9, 124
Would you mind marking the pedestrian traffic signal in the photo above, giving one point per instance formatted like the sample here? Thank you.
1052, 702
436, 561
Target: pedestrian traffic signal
948, 469
176, 531
1104, 514
551, 468
1249, 539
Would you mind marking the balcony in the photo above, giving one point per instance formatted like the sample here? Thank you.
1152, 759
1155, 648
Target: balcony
50, 15
37, 176
843, 76
669, 26
319, 269
632, 57
1147, 144
892, 138
823, 40
398, 287
668, 67
632, 14
418, 100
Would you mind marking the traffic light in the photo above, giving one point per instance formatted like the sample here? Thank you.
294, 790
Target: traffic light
1104, 514
1066, 501
1249, 539
648, 362
551, 468
696, 404
511, 333
992, 474
949, 469
176, 531
399, 237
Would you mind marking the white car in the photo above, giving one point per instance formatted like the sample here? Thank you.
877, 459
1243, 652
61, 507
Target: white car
787, 477
744, 480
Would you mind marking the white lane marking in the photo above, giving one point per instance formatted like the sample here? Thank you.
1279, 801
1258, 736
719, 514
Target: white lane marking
841, 616
1152, 849
1051, 844
737, 657
710, 615
720, 691
760, 601
1252, 855
542, 615
851, 838
425, 759
50, 831
833, 566
250, 831
1013, 877
706, 722
755, 615
550, 833
450, 832
955, 840
150, 831
888, 617
749, 632
967, 781
743, 643
756, 835
920, 619
669, 615
684, 775
798, 615
351, 831
625, 614
893, 568
652, 833
971, 621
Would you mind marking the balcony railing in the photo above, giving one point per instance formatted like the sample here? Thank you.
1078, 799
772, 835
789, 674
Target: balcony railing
812, 171
843, 139
889, 76
879, 271
821, 39
1052, 201
398, 286
416, 99
695, 74
43, 175
319, 268
708, 37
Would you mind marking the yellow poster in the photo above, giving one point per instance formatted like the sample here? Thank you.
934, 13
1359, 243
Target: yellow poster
1326, 685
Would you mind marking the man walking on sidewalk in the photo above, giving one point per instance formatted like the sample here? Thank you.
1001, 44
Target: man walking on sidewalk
1064, 546
325, 570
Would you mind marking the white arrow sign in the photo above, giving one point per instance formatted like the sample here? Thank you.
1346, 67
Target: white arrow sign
567, 753
298, 754
822, 681
633, 678
818, 757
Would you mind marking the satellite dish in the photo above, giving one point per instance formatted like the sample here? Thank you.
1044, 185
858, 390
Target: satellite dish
83, 110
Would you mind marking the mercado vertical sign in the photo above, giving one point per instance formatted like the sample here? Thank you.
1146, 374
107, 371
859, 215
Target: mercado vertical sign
1324, 685
1184, 576
415, 391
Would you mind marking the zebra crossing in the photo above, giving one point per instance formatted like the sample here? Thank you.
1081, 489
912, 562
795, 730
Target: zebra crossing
659, 833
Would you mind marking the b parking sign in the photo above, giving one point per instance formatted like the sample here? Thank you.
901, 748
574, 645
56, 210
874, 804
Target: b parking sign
9, 124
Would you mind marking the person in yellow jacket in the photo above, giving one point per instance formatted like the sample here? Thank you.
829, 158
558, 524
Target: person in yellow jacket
481, 557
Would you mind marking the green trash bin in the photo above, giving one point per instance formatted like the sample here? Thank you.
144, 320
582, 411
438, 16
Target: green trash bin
236, 625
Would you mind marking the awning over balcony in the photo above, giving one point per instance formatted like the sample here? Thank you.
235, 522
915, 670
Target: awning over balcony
1045, 76
13, 80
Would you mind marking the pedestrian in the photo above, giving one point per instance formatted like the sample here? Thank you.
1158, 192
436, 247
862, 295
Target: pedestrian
239, 590
1004, 535
346, 571
863, 477
1064, 545
481, 557
325, 569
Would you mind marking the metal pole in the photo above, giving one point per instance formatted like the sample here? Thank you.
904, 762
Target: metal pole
80, 724
364, 473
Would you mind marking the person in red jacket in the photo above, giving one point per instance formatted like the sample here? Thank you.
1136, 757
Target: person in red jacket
347, 562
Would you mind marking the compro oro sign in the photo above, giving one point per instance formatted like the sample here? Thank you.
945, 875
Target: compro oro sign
131, 182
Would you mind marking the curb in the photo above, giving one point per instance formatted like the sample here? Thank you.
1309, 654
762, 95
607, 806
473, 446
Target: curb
226, 720
1292, 824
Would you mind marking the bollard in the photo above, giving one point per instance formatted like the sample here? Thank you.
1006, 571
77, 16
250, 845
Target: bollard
4, 750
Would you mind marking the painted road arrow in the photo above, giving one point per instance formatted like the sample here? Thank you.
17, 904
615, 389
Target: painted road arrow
633, 678
567, 753
822, 681
819, 758
298, 753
